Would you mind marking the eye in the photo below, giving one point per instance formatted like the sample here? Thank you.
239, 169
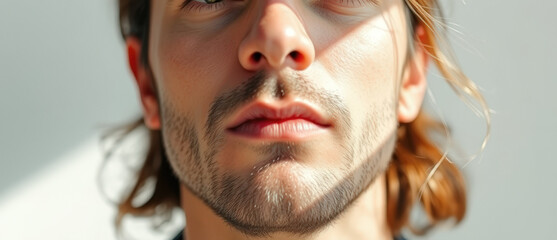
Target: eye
208, 1
201, 5
346, 8
347, 3
353, 3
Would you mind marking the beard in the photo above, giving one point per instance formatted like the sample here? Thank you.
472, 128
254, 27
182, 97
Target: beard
280, 191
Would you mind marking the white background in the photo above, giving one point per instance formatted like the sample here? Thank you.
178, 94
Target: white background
63, 79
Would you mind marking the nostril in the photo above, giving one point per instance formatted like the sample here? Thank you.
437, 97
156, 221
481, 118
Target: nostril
296, 56
256, 57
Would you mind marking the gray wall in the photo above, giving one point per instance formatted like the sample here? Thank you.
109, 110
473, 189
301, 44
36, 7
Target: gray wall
511, 54
63, 77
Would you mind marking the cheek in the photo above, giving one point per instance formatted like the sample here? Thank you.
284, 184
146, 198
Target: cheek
365, 68
192, 72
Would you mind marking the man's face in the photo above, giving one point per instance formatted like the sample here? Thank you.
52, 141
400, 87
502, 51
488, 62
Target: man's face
278, 113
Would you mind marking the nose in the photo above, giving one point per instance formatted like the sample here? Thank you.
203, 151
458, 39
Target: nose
277, 39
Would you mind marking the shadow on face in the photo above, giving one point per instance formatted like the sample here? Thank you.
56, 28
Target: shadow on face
343, 58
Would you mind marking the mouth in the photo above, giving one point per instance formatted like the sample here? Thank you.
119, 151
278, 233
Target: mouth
264, 121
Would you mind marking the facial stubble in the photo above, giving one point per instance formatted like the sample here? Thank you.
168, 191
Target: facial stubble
258, 207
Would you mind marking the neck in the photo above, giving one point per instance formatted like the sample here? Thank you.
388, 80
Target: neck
366, 218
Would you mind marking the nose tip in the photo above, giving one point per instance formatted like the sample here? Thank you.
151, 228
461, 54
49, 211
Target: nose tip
277, 39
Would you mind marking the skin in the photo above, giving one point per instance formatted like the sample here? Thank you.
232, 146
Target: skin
348, 60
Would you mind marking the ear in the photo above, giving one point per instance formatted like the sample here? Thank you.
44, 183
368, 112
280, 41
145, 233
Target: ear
414, 82
145, 84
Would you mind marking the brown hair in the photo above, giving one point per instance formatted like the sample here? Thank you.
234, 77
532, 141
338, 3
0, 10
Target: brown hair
419, 171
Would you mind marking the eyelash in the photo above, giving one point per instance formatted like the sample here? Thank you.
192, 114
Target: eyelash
360, 2
192, 5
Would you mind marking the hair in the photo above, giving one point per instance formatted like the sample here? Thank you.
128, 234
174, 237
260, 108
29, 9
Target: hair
419, 172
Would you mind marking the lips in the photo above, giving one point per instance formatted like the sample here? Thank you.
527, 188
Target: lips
266, 121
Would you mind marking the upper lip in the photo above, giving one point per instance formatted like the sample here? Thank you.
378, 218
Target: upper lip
262, 110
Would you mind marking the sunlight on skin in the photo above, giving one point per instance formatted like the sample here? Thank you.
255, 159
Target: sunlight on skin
341, 62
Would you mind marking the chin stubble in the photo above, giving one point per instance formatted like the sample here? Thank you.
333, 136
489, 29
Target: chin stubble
258, 210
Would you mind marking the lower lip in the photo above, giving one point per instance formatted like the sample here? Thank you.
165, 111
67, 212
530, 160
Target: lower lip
278, 129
